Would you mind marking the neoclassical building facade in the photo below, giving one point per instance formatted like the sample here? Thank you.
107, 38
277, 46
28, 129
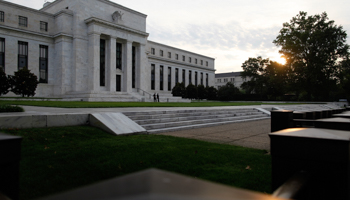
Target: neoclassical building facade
94, 50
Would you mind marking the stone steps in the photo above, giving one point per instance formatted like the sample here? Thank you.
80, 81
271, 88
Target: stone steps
165, 121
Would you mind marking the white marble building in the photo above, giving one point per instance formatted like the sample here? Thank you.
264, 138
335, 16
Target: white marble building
94, 50
221, 79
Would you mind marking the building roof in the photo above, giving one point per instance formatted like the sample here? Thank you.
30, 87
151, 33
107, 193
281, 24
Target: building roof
229, 74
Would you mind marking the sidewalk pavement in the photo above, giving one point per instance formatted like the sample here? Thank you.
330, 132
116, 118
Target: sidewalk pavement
252, 134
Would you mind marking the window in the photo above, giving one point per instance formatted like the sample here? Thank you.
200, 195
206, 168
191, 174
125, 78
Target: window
207, 80
119, 56
161, 75
177, 56
201, 62
161, 53
23, 21
176, 75
102, 62
225, 80
22, 55
207, 63
169, 54
153, 51
190, 59
232, 80
190, 77
201, 78
2, 53
43, 26
2, 16
133, 72
196, 61
153, 77
169, 78
196, 78
183, 58
184, 77
43, 63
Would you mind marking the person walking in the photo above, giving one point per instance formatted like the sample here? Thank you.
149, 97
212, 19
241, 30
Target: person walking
158, 97
154, 97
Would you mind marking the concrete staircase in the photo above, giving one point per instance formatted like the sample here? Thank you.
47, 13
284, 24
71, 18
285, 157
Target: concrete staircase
167, 121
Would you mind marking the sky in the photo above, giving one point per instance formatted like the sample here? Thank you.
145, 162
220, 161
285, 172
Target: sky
231, 31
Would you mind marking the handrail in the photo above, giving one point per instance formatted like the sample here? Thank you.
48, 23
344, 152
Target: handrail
150, 95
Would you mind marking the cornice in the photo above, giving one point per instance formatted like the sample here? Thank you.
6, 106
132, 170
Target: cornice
103, 22
179, 63
25, 31
65, 11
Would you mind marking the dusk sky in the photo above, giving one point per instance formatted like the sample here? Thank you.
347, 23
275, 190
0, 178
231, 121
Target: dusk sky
230, 31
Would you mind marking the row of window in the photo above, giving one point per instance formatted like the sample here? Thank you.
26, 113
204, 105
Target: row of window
23, 21
161, 53
227, 80
23, 58
161, 77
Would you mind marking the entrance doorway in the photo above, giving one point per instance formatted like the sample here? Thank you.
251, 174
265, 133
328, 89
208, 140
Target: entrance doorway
119, 82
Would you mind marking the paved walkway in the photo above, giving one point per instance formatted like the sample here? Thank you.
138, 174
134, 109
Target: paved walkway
253, 134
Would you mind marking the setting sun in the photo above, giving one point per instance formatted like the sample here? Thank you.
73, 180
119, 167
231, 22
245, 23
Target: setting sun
281, 60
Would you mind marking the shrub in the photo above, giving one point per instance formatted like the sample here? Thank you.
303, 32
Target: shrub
191, 91
9, 108
212, 93
24, 83
4, 83
179, 90
202, 92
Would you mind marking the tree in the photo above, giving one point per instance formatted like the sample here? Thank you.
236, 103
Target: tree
212, 93
313, 46
202, 92
179, 90
228, 92
254, 68
24, 83
4, 83
191, 91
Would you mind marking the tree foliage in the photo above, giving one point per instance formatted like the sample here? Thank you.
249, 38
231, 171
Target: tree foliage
4, 83
228, 92
191, 91
202, 92
313, 47
24, 83
179, 90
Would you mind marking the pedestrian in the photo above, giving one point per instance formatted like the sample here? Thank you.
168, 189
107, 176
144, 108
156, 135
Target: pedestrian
154, 97
158, 97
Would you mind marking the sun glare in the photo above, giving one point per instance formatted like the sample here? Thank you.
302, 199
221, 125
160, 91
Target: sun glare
281, 60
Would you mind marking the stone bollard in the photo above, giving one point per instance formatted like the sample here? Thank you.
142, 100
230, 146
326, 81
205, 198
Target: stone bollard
10, 151
281, 119
322, 153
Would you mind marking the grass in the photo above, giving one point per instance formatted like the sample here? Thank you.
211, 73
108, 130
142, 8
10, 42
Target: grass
59, 159
79, 104
8, 108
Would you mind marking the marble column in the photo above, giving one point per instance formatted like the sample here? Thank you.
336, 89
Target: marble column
142, 71
127, 67
111, 64
94, 61
187, 78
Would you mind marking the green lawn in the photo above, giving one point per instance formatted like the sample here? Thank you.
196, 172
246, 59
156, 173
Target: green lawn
79, 104
59, 159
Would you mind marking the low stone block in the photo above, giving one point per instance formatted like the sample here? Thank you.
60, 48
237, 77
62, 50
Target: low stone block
67, 120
